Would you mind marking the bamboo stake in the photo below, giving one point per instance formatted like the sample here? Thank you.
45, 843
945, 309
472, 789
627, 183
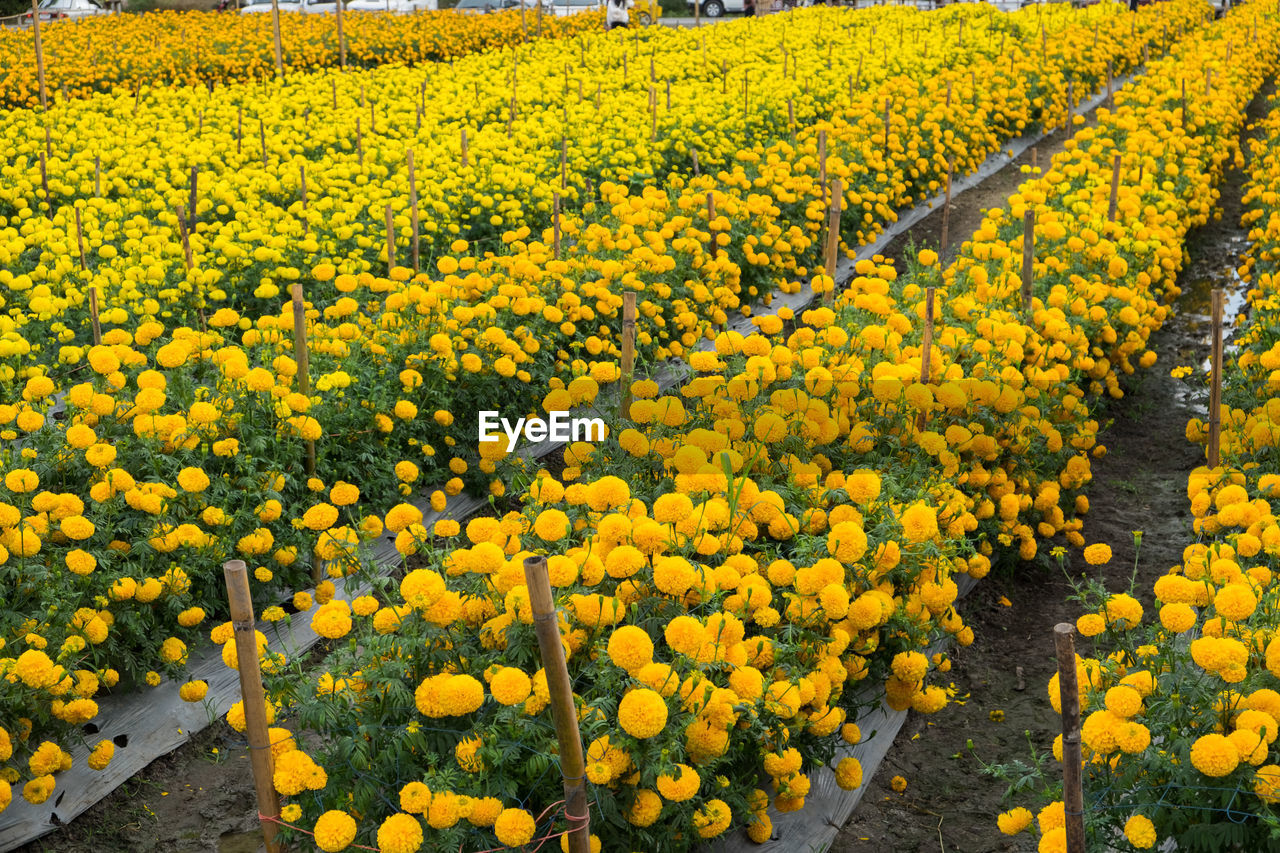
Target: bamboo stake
831, 256
1215, 381
254, 700
563, 713
39, 45
415, 242
1115, 189
555, 225
946, 207
80, 240
342, 47
94, 318
1073, 791
44, 182
185, 237
391, 240
302, 356
275, 35
926, 350
628, 350
1028, 255
822, 164
191, 205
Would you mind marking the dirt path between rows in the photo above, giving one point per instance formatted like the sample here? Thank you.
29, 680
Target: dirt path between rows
950, 804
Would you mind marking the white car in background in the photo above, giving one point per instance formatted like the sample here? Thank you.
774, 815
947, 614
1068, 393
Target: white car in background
55, 10
305, 7
479, 7
564, 8
400, 7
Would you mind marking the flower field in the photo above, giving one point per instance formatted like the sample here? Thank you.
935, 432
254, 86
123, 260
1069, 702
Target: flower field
1179, 705
162, 49
745, 561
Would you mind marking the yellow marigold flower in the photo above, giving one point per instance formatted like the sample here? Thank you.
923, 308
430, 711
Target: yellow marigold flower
630, 648
910, 667
514, 827
322, 516
1177, 617
1014, 821
919, 522
1140, 831
332, 620
849, 774
642, 713
712, 819
898, 784
552, 525
1123, 611
296, 772
193, 691
334, 831
1098, 554
80, 562
101, 755
46, 759
400, 833
38, 790
1091, 624
510, 685
1214, 755
645, 809
677, 789
1235, 601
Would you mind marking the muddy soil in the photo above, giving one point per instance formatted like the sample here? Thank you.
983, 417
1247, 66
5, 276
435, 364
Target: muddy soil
1002, 710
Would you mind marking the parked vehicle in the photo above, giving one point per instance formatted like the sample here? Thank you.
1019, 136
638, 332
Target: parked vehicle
564, 8
401, 7
53, 10
644, 12
479, 7
255, 6
717, 8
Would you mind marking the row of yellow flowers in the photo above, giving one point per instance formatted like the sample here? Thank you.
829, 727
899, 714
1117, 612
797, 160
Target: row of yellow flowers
745, 554
196, 460
1181, 706
162, 49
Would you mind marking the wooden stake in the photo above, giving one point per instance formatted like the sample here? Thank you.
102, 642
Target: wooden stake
1115, 189
39, 45
926, 350
80, 240
302, 184
886, 123
44, 182
555, 225
1073, 790
185, 237
464, 148
239, 127
391, 240
191, 205
415, 241
1111, 102
275, 35
946, 207
694, 153
1215, 379
359, 143
1028, 255
822, 165
563, 712
94, 318
342, 48
97, 176
831, 256
564, 161
302, 356
262, 139
254, 701
1071, 106
628, 351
